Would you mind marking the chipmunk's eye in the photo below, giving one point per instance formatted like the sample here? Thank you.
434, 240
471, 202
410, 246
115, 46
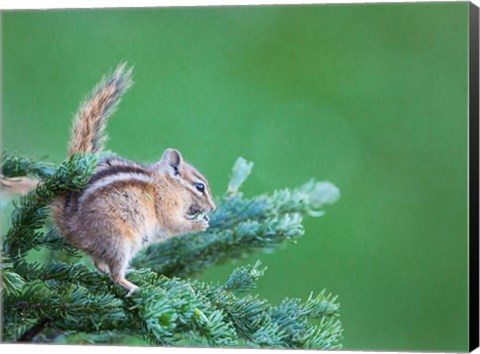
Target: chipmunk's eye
200, 187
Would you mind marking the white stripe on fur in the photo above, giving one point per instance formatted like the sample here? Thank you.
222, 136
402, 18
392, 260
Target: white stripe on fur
103, 182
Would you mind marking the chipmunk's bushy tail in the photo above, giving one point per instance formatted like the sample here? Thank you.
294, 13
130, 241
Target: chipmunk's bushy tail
90, 121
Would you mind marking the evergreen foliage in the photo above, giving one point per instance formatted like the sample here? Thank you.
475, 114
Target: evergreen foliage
63, 299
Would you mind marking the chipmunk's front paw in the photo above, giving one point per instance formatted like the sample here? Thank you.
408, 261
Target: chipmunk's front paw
200, 224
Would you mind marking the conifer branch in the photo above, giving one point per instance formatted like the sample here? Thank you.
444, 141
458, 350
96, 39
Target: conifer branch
33, 331
240, 226
20, 166
43, 300
30, 214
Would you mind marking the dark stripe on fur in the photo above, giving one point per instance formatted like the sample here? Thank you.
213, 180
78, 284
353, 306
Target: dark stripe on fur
113, 170
71, 198
199, 176
71, 202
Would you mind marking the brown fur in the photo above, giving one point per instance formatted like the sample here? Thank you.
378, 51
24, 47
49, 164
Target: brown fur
126, 205
90, 121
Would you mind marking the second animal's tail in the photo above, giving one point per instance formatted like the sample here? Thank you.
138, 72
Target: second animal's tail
90, 121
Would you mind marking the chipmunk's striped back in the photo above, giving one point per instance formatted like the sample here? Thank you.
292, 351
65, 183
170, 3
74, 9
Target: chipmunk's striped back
90, 122
110, 172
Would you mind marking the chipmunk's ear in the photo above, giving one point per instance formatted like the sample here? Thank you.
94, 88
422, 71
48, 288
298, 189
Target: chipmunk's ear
174, 159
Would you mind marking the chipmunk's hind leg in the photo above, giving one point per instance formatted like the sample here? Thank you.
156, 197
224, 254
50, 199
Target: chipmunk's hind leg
126, 284
118, 268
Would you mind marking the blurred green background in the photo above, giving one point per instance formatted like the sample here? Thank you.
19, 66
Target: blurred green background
370, 97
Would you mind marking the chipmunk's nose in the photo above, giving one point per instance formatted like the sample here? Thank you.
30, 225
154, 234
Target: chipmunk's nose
212, 206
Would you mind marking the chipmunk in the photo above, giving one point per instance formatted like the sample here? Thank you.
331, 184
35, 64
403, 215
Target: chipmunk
126, 205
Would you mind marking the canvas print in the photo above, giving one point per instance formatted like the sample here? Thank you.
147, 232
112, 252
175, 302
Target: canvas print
281, 177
